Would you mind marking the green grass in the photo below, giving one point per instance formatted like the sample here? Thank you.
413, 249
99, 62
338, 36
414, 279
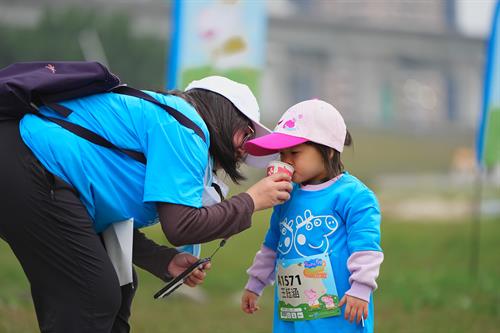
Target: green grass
425, 286
389, 151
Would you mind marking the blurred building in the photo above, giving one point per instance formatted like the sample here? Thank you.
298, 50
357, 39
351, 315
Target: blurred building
383, 64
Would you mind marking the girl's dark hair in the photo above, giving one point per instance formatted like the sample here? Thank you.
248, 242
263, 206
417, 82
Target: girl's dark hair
223, 120
331, 157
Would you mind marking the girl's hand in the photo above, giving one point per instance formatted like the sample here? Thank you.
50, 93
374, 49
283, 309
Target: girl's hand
249, 302
354, 309
271, 191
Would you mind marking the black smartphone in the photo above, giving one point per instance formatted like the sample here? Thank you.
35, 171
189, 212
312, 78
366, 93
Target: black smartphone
179, 279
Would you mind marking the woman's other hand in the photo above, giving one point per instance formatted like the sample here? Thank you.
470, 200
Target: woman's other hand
181, 262
271, 191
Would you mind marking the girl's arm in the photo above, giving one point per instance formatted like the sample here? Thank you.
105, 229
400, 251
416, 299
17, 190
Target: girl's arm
261, 273
363, 241
364, 267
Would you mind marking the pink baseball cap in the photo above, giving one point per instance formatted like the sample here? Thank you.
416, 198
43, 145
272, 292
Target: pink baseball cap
313, 120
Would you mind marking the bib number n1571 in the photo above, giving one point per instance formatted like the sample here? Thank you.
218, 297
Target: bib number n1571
306, 288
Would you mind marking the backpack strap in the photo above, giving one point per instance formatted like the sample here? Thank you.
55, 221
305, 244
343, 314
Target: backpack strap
181, 118
94, 138
99, 140
59, 108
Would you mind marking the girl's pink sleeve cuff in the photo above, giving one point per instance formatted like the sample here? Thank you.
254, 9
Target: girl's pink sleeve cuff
359, 290
255, 285
364, 267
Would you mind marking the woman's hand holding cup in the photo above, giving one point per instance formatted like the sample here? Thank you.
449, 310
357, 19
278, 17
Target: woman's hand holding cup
272, 190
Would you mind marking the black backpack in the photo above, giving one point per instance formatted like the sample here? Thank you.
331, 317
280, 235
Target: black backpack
26, 86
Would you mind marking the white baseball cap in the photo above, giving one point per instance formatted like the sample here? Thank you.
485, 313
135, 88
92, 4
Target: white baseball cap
313, 120
244, 100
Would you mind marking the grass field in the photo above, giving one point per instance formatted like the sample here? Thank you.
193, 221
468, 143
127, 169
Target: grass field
424, 286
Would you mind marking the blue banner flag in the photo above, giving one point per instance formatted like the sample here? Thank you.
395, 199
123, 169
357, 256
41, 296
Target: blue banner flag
488, 137
216, 37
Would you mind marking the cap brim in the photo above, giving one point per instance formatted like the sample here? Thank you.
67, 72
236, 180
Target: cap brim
260, 130
272, 143
259, 161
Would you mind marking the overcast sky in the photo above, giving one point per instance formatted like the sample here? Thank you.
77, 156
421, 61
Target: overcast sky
474, 16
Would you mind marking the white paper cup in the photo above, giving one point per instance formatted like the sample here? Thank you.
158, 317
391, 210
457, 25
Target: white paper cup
279, 167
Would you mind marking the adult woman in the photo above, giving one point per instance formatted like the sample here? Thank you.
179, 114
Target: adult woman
59, 192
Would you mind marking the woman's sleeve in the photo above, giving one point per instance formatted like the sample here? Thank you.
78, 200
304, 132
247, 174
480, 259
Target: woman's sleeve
150, 256
188, 225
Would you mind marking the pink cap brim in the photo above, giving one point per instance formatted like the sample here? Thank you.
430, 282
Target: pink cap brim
272, 143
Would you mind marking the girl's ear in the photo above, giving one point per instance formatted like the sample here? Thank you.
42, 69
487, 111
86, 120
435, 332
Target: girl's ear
330, 154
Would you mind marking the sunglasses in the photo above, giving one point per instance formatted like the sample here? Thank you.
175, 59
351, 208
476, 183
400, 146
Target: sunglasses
250, 135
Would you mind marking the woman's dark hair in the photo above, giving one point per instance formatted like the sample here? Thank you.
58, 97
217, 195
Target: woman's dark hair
223, 120
331, 157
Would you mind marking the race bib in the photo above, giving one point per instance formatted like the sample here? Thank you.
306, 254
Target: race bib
306, 288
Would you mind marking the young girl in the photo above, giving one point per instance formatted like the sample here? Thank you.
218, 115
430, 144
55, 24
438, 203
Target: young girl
323, 245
